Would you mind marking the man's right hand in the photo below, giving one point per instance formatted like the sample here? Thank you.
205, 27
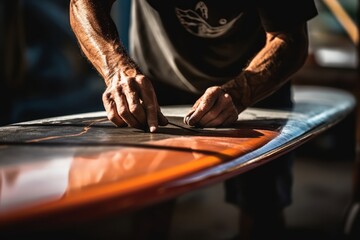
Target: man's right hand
130, 100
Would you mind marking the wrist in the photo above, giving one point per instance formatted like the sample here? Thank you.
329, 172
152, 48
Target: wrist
122, 70
128, 68
239, 90
120, 64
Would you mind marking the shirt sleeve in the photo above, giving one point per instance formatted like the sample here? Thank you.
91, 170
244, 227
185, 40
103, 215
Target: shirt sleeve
279, 15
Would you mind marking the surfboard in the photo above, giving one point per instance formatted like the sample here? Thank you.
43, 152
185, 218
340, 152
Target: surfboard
81, 166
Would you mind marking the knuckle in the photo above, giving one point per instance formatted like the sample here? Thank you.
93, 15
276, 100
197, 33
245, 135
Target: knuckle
106, 94
212, 90
127, 84
140, 79
227, 98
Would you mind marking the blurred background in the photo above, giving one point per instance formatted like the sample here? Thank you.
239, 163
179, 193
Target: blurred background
44, 74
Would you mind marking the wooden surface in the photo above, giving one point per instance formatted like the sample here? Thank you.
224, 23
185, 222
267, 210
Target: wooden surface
82, 166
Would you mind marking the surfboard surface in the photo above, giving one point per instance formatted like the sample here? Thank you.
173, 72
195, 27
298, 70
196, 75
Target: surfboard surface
83, 166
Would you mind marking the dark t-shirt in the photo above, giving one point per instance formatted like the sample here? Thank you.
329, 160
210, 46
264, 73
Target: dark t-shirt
193, 45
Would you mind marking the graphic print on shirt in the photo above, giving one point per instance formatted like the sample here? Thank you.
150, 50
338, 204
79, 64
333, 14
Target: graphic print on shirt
196, 21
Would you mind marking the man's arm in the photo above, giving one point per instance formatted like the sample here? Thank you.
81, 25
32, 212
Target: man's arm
129, 98
283, 54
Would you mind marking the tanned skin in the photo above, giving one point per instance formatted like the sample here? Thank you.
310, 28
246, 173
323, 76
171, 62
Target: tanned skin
130, 99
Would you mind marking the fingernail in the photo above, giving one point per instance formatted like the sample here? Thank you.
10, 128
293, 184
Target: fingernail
190, 122
187, 119
152, 129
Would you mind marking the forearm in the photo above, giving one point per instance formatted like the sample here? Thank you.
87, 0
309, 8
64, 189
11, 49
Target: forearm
281, 57
98, 37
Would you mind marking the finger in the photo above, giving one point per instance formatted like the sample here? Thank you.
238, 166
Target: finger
214, 115
222, 109
193, 108
149, 102
187, 117
130, 90
230, 120
231, 112
111, 112
206, 103
123, 110
114, 116
225, 118
234, 114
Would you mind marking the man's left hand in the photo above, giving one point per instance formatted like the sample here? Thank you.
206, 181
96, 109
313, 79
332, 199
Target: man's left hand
214, 108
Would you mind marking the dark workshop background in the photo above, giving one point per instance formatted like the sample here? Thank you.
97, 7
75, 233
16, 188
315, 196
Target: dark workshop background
44, 74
